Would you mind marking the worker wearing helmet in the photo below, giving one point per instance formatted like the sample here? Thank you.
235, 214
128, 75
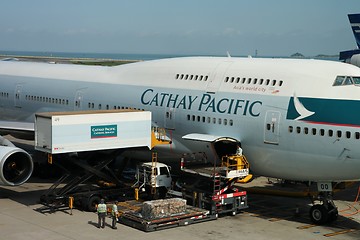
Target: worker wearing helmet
114, 214
101, 210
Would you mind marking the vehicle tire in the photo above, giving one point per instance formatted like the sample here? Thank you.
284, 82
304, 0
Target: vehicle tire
319, 214
92, 202
162, 192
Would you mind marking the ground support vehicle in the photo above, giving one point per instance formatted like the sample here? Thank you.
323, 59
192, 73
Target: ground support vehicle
130, 215
153, 178
85, 146
212, 187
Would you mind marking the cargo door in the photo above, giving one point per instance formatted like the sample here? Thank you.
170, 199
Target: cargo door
170, 118
17, 96
272, 134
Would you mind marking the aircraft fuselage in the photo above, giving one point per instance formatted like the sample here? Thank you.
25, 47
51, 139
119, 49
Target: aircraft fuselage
291, 121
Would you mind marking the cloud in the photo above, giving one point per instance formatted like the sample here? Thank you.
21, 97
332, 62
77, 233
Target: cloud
231, 32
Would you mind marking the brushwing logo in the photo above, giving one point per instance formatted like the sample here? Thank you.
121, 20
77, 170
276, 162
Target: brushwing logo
296, 110
302, 111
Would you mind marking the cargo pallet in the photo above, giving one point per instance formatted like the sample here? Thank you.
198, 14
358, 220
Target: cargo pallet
192, 215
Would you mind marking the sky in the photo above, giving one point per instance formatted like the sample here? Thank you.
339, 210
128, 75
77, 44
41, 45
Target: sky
195, 27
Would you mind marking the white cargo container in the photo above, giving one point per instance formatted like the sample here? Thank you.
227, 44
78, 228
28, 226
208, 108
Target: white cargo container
63, 132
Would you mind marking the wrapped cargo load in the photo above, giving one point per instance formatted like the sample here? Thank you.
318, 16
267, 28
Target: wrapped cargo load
163, 208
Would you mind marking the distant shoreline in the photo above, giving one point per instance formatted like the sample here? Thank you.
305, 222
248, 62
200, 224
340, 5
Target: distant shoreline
69, 60
108, 59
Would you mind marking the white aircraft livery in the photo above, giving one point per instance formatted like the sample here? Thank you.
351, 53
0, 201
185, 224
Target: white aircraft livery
294, 119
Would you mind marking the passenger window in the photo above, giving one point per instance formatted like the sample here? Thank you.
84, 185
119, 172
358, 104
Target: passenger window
306, 130
330, 133
348, 134
322, 132
268, 127
231, 122
298, 129
339, 134
313, 131
357, 135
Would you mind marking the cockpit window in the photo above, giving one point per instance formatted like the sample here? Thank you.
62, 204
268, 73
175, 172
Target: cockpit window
356, 80
339, 80
346, 80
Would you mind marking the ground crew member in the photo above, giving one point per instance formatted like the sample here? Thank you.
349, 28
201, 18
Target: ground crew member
114, 214
239, 151
101, 211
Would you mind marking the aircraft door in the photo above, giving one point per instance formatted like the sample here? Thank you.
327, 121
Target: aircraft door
215, 79
78, 100
170, 118
271, 135
17, 96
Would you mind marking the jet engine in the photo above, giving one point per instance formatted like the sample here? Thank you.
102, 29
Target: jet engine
355, 60
16, 165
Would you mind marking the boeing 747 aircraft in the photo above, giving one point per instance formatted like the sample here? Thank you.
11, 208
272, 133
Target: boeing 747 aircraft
295, 119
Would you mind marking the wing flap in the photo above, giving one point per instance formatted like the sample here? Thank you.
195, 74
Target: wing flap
17, 126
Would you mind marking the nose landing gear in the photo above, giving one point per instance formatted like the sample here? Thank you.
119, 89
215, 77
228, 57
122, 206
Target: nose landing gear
325, 212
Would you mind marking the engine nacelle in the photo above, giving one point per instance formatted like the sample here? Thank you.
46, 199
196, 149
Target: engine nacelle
16, 166
355, 60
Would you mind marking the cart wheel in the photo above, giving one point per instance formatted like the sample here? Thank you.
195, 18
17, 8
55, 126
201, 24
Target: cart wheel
92, 202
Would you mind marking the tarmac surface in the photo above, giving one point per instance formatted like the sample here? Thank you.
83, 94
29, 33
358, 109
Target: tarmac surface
268, 217
276, 210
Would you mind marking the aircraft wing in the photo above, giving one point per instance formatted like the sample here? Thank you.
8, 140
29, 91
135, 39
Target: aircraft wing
205, 137
17, 126
25, 129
